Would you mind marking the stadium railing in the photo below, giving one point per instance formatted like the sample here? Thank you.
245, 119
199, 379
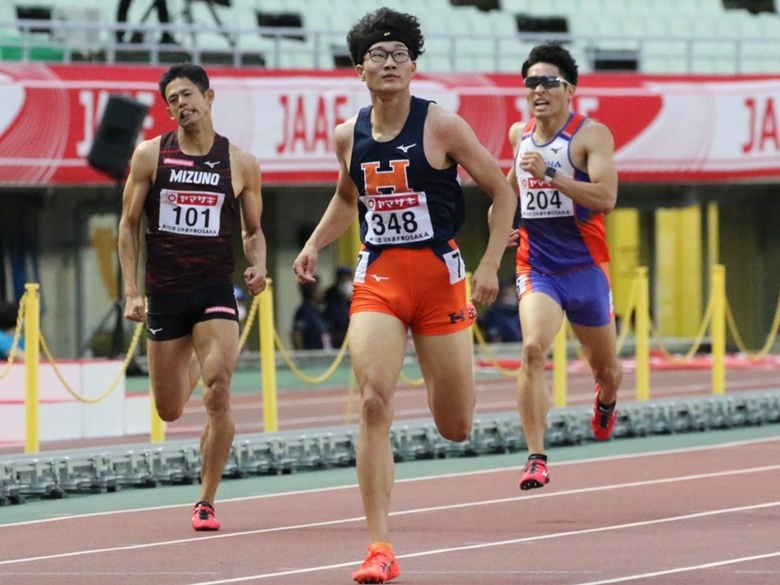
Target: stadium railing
307, 47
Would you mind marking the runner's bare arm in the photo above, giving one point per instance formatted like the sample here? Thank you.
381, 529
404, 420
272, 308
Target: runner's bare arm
515, 134
340, 213
592, 147
251, 202
143, 168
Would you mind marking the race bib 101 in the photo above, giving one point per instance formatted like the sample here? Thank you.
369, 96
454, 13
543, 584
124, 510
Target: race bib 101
192, 213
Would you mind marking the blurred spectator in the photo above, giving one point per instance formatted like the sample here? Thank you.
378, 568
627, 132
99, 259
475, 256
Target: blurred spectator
337, 300
501, 321
8, 315
162, 15
309, 328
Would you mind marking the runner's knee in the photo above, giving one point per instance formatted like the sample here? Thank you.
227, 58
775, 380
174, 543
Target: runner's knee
457, 430
610, 375
534, 355
169, 411
376, 411
216, 400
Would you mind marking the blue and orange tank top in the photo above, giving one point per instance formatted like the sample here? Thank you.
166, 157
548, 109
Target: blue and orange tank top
556, 234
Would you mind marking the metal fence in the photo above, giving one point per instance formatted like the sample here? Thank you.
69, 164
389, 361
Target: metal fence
69, 41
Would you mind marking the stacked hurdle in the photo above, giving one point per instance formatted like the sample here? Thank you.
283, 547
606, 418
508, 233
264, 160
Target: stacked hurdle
55, 475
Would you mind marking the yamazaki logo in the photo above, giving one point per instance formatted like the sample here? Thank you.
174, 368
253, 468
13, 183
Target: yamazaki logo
393, 203
192, 198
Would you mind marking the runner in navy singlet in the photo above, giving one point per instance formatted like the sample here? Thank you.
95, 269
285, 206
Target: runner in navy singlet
193, 185
398, 162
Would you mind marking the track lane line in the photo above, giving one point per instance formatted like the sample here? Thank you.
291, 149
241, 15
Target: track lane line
684, 569
200, 539
261, 576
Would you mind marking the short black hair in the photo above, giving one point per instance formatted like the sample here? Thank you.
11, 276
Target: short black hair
195, 73
383, 23
555, 54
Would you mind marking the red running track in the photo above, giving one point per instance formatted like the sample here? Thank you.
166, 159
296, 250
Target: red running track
707, 516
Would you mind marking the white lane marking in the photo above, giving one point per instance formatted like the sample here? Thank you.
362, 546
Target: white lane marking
261, 576
199, 539
683, 569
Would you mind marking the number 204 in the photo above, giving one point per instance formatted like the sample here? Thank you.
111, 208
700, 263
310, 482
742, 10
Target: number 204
541, 200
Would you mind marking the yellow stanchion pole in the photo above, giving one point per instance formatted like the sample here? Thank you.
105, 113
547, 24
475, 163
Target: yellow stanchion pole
349, 245
157, 434
713, 234
718, 329
642, 331
268, 360
560, 359
32, 354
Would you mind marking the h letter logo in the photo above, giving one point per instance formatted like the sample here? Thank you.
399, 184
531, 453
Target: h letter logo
394, 179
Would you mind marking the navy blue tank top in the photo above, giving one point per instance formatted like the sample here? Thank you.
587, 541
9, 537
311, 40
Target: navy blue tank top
404, 201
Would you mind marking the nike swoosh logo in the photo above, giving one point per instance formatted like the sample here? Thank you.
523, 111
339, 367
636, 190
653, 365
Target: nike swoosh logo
555, 150
154, 331
378, 278
211, 164
405, 149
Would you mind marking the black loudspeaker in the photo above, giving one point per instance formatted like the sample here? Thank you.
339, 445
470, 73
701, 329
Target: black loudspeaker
115, 138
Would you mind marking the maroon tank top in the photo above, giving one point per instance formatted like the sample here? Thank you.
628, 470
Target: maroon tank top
191, 211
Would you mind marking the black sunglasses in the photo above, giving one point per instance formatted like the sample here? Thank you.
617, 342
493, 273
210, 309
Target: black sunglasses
547, 81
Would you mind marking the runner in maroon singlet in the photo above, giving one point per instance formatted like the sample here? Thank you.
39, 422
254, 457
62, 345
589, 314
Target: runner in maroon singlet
193, 185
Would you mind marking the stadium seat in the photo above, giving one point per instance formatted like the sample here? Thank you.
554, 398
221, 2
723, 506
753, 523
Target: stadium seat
697, 34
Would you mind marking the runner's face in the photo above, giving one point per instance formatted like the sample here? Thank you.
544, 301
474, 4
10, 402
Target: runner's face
547, 102
387, 74
186, 103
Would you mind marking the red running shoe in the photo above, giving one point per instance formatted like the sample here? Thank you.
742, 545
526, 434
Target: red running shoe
535, 474
203, 517
379, 567
602, 421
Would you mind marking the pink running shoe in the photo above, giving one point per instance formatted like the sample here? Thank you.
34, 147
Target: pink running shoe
203, 517
535, 474
602, 421
379, 567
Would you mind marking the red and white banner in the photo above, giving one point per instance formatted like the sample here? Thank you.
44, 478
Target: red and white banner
667, 129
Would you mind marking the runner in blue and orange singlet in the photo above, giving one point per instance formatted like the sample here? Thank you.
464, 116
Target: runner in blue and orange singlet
565, 177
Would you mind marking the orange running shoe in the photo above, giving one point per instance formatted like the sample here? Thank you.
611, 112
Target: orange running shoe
203, 517
379, 567
602, 421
